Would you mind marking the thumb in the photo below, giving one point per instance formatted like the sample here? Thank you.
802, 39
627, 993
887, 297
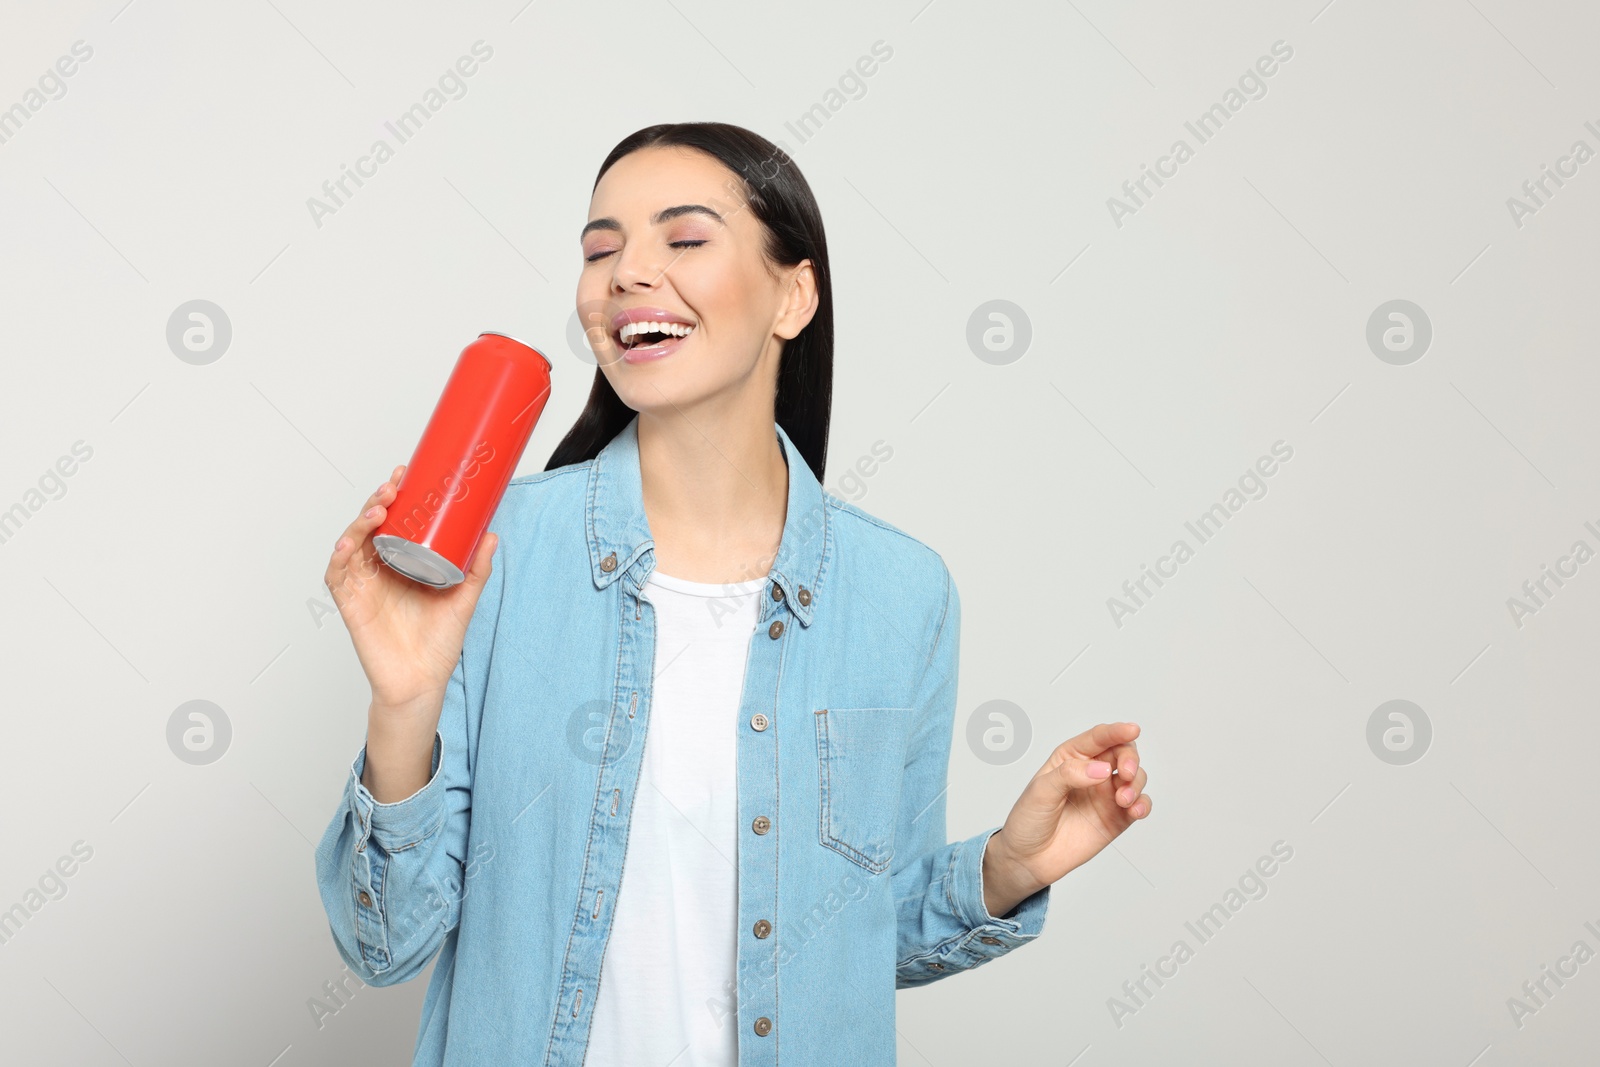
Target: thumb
482, 560
1081, 773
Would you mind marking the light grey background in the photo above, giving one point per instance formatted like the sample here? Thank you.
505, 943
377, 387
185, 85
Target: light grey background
1228, 312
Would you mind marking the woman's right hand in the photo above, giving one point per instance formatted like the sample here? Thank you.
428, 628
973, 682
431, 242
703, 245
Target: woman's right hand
408, 636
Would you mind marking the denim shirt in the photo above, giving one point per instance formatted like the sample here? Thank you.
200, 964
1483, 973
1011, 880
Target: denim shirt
506, 864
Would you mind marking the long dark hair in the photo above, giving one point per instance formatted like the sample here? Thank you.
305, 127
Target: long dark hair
778, 195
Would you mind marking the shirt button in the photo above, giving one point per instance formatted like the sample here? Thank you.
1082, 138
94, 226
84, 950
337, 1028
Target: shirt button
366, 901
777, 591
761, 824
776, 629
990, 940
758, 721
805, 596
763, 1026
762, 928
609, 564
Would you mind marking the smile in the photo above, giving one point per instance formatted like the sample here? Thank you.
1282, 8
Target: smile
649, 338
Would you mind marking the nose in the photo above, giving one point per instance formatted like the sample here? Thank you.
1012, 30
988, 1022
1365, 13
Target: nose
638, 269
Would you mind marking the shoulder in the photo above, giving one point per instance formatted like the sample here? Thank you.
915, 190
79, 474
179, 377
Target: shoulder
857, 523
879, 553
538, 504
527, 488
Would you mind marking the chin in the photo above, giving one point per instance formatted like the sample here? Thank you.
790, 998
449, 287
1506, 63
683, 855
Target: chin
670, 398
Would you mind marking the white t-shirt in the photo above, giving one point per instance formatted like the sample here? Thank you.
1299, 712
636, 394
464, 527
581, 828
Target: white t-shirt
667, 985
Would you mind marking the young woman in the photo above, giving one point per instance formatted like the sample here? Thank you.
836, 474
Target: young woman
663, 781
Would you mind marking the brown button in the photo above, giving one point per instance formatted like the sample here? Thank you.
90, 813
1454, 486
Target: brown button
777, 591
763, 1026
937, 966
758, 721
990, 940
609, 564
805, 596
761, 825
366, 901
762, 928
776, 629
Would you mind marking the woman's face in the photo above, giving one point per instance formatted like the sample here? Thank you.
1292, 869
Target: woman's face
670, 240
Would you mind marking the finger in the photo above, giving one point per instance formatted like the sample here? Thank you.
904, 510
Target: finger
1129, 792
354, 558
1075, 773
1141, 807
357, 531
1097, 739
1125, 759
367, 521
351, 547
386, 492
354, 562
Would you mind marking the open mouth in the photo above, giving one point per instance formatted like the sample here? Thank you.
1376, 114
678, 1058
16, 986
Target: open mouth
650, 334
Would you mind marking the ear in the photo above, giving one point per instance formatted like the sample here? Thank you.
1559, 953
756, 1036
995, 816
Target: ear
800, 301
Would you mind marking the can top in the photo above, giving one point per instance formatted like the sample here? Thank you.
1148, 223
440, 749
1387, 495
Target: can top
520, 341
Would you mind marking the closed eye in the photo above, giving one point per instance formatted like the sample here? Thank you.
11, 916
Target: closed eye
675, 244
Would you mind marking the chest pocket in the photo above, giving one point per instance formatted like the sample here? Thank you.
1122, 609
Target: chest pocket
860, 763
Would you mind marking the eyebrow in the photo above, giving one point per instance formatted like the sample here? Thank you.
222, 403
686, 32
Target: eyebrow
664, 215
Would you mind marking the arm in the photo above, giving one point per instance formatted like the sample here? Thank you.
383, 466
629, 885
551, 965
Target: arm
944, 924
391, 875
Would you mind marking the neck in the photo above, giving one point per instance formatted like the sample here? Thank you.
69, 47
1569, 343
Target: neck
715, 493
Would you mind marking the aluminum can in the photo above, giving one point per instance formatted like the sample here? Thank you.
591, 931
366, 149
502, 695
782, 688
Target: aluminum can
468, 453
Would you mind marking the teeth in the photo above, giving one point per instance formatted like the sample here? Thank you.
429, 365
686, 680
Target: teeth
673, 329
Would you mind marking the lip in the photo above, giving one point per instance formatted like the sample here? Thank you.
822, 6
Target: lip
647, 353
644, 314
650, 353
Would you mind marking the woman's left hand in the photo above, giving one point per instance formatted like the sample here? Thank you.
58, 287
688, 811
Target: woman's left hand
1073, 808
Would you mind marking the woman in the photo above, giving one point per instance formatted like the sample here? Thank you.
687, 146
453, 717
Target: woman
674, 648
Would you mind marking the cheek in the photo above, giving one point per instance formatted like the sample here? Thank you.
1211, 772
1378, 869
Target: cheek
724, 299
592, 282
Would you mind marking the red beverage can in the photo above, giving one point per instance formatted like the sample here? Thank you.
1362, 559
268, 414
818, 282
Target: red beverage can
466, 457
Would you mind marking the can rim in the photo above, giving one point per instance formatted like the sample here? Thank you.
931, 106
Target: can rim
520, 341
419, 562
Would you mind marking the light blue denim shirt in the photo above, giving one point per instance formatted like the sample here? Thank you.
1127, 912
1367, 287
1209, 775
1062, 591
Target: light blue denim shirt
506, 864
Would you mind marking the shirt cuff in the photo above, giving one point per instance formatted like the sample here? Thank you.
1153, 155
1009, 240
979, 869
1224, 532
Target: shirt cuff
991, 935
403, 823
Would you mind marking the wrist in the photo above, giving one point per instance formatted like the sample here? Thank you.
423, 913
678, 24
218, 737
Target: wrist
399, 754
1006, 881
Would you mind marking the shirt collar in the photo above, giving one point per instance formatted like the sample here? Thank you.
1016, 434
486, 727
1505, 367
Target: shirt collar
619, 534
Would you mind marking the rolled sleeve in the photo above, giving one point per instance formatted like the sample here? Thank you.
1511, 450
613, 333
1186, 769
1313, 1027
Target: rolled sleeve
402, 823
964, 883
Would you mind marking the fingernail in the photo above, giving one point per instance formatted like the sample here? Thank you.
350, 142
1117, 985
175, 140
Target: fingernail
1099, 768
372, 512
338, 546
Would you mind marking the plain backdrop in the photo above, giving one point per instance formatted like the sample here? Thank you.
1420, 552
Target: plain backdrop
1171, 342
